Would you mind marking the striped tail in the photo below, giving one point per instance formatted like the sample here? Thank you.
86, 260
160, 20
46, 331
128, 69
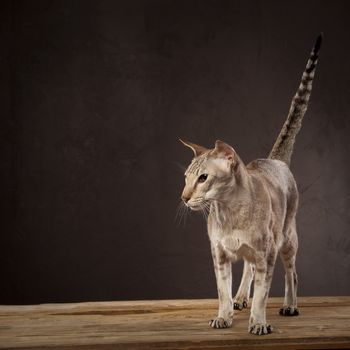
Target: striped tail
283, 147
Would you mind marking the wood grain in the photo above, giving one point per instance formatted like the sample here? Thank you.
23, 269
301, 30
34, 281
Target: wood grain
324, 323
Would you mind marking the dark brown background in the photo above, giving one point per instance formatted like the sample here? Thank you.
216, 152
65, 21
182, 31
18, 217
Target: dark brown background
94, 95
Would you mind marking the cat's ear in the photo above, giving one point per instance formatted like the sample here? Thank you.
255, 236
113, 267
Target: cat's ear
224, 150
197, 150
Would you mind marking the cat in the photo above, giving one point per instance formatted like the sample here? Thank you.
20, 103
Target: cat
251, 214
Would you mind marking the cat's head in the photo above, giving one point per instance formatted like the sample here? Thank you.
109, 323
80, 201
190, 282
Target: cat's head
212, 175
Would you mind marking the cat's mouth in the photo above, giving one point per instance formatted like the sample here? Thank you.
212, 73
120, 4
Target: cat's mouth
197, 206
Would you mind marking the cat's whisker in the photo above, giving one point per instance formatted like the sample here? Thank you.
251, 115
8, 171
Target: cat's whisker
179, 167
179, 213
203, 213
186, 212
176, 217
180, 216
207, 208
183, 215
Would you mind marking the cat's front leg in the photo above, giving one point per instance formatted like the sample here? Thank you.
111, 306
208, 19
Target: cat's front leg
262, 282
223, 273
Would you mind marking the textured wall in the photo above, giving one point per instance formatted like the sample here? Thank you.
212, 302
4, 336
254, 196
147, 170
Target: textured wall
94, 97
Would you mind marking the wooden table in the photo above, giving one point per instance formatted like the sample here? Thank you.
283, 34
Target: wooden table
324, 323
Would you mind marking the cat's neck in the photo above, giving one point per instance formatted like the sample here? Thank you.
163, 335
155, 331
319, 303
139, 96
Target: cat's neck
236, 210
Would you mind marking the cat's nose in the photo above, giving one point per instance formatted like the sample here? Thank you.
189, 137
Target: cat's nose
185, 198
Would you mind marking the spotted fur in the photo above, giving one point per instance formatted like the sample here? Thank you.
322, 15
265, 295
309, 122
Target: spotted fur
251, 215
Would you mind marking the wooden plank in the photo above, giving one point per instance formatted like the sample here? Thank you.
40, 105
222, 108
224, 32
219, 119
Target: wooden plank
324, 323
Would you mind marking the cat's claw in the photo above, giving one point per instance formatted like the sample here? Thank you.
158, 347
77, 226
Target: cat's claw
240, 306
289, 311
219, 322
260, 329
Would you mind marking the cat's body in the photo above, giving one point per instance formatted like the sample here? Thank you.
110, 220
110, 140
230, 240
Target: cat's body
255, 225
267, 204
251, 216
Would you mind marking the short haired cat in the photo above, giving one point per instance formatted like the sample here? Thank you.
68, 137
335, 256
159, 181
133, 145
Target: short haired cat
252, 211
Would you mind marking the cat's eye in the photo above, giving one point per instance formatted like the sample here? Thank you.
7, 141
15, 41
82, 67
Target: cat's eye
202, 178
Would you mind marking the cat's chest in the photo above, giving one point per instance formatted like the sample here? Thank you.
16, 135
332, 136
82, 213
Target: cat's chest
233, 243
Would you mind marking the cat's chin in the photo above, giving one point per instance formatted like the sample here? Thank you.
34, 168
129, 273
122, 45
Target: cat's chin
197, 207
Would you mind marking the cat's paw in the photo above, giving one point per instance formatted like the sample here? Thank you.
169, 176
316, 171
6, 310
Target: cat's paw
220, 322
260, 329
240, 304
289, 311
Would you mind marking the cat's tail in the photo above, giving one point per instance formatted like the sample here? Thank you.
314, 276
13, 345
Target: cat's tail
283, 147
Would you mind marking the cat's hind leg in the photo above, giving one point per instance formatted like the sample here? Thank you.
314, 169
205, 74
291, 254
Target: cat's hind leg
241, 299
288, 256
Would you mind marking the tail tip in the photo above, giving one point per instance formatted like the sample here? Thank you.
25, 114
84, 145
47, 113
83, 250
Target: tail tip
318, 42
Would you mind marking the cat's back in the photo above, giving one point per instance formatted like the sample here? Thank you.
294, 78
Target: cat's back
274, 172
